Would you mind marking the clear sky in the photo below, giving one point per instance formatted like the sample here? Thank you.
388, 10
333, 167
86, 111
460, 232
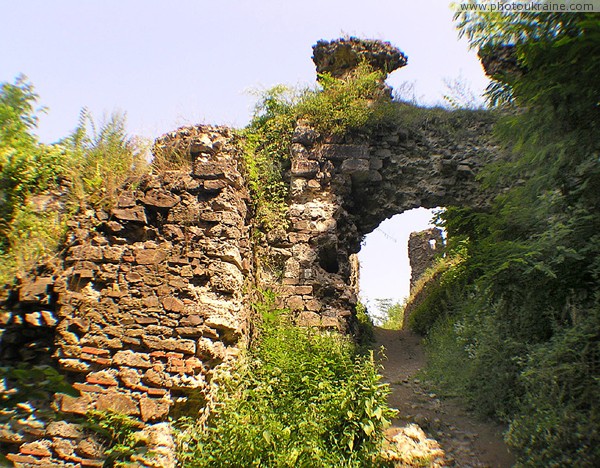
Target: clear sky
181, 62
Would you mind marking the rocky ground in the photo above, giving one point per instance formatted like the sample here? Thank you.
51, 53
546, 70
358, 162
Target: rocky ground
432, 431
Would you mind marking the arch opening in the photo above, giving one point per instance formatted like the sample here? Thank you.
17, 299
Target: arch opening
385, 272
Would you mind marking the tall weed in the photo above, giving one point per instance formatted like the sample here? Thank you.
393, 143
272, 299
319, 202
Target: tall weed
302, 398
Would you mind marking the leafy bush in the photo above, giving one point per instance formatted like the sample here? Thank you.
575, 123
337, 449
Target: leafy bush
353, 103
519, 336
390, 314
366, 332
267, 141
431, 297
301, 398
33, 235
102, 159
118, 430
558, 418
84, 169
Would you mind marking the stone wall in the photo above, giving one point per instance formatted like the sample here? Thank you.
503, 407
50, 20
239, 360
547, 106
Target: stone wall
147, 303
343, 187
151, 297
423, 246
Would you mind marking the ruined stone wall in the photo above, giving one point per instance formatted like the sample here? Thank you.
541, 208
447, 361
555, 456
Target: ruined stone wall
342, 188
423, 246
151, 296
148, 303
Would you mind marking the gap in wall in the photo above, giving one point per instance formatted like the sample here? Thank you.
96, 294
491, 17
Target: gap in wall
383, 257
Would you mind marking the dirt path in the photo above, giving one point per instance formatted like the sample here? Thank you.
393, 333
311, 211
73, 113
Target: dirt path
465, 440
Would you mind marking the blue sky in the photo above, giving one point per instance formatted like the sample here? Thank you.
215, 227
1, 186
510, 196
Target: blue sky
182, 62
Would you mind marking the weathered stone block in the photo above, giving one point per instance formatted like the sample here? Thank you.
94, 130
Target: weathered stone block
126, 200
132, 359
153, 409
341, 152
77, 405
90, 448
37, 449
172, 304
137, 214
150, 256
117, 402
64, 429
209, 349
205, 169
308, 319
170, 344
157, 378
158, 198
35, 291
64, 448
304, 167
295, 303
355, 166
131, 378
102, 378
304, 135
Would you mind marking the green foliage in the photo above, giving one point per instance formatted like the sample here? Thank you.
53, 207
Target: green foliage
341, 105
267, 141
90, 165
438, 287
26, 383
366, 332
119, 432
25, 166
519, 335
302, 398
33, 235
391, 314
559, 421
350, 104
102, 159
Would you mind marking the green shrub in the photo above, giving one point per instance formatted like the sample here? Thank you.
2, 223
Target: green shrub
267, 141
102, 159
90, 166
438, 289
366, 333
558, 419
354, 103
118, 431
302, 397
390, 315
33, 235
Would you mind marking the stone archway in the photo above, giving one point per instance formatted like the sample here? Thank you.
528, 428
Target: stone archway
148, 299
342, 188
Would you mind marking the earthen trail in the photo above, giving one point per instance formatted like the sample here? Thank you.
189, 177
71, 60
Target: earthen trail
466, 440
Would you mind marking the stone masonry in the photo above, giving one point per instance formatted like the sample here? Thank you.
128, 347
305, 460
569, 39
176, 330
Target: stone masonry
151, 297
343, 187
423, 246
148, 303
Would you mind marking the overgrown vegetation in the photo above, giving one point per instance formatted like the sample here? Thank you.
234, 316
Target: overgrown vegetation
301, 397
119, 432
389, 314
82, 170
336, 107
519, 334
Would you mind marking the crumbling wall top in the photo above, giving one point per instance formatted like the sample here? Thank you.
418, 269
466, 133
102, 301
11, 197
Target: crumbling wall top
341, 56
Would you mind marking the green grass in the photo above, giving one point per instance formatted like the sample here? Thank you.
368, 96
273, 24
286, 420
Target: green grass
300, 398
